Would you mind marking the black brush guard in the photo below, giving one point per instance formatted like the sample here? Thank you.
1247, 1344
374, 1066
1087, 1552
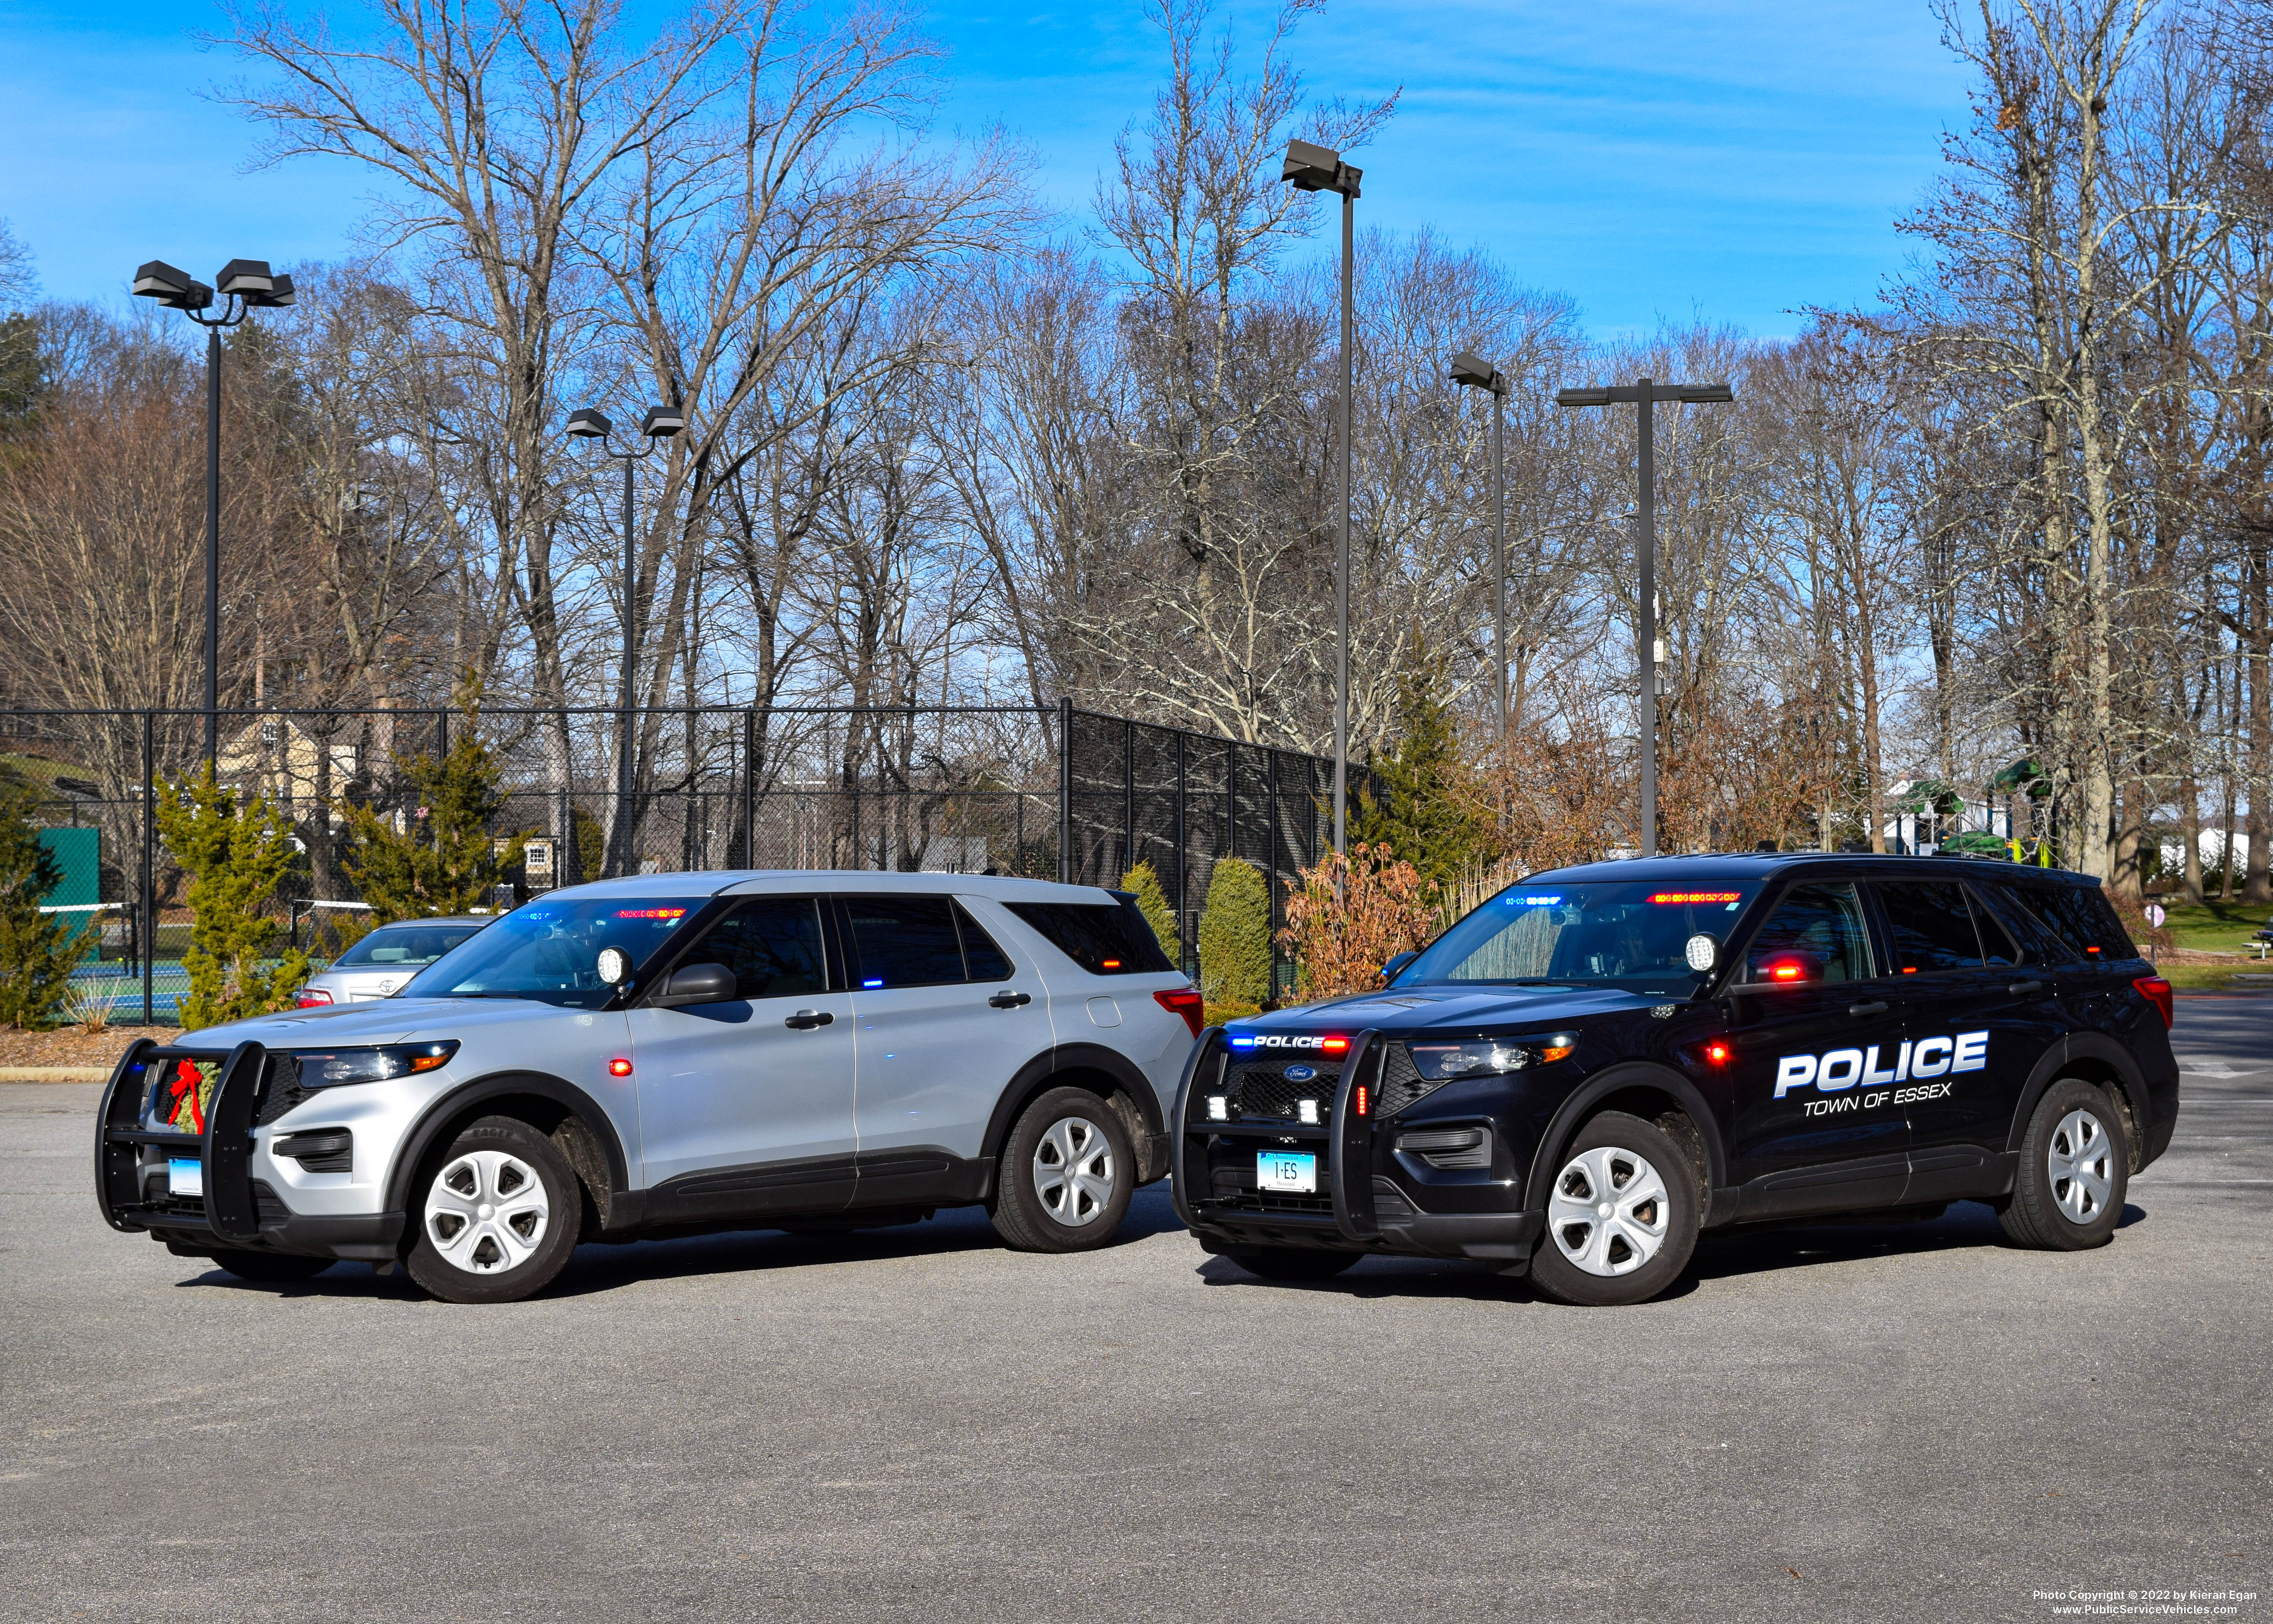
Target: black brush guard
1355, 1189
224, 1150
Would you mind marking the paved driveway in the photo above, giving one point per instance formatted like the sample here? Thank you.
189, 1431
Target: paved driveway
1856, 1421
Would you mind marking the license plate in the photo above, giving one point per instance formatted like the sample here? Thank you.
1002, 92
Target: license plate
1287, 1170
186, 1175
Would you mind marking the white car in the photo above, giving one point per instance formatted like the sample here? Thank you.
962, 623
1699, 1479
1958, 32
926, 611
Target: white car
675, 1053
380, 964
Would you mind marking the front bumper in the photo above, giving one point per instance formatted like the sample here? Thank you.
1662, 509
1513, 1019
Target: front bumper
236, 1211
1357, 1209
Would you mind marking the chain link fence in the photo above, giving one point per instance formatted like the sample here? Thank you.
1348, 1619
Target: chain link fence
1051, 793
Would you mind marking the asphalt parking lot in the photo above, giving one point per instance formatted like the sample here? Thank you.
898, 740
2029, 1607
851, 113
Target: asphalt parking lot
1853, 1421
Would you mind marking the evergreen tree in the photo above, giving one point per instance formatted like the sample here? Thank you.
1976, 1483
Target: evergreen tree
234, 855
37, 951
1235, 936
447, 862
1152, 903
1423, 805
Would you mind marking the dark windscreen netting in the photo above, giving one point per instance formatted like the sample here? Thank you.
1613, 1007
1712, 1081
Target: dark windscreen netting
1182, 801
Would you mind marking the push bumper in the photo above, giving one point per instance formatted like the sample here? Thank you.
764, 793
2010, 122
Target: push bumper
1355, 1209
236, 1211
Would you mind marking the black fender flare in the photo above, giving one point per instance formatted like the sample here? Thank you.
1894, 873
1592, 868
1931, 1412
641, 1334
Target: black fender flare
1031, 1077
2057, 1062
1613, 1079
499, 1086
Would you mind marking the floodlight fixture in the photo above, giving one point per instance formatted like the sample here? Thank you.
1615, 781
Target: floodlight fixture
176, 289
1311, 168
240, 277
591, 423
1582, 398
662, 422
1472, 370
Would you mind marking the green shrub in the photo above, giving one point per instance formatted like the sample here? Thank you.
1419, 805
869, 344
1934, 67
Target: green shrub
233, 856
1152, 903
1235, 936
1428, 809
447, 861
37, 951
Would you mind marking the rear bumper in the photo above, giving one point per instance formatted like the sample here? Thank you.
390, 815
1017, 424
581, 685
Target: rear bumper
1355, 1209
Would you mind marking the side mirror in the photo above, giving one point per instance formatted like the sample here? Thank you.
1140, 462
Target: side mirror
1702, 950
697, 983
1388, 971
613, 967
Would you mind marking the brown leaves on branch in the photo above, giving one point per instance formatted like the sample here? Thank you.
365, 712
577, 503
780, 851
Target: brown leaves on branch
1351, 916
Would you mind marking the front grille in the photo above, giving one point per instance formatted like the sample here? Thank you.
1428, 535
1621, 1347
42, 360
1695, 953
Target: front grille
1261, 1091
1401, 1083
280, 1089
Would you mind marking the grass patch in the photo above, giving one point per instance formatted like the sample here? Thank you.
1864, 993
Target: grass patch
2217, 927
2234, 977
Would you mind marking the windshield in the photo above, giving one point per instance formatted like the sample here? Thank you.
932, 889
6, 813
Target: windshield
404, 946
549, 950
1628, 935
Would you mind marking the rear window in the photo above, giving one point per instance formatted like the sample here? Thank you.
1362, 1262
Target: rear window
412, 946
2080, 918
1104, 938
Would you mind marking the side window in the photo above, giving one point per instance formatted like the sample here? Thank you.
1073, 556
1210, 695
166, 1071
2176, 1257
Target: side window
1930, 925
903, 941
1816, 934
982, 960
1997, 943
771, 944
2081, 918
1101, 937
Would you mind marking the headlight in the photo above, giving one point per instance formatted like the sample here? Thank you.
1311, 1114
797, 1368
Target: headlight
1441, 1063
332, 1067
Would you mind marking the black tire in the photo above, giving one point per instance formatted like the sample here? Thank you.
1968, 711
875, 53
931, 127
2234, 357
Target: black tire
1028, 1203
2075, 1169
1619, 1152
467, 1249
1294, 1262
271, 1265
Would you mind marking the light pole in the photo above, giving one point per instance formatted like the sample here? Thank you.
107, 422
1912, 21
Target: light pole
1472, 372
1645, 394
1316, 168
660, 423
246, 285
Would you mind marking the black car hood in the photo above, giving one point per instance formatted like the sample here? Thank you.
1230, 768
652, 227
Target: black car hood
1440, 1005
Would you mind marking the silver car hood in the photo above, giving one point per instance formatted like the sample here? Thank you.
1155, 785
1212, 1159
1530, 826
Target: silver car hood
381, 1020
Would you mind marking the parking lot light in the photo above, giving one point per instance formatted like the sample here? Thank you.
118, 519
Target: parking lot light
1311, 168
246, 285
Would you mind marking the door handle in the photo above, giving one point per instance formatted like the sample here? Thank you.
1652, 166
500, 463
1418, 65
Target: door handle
806, 1020
1876, 1006
2019, 988
1009, 1000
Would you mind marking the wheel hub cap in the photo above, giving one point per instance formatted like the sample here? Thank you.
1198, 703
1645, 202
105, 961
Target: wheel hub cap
2080, 1162
1073, 1171
487, 1212
1608, 1213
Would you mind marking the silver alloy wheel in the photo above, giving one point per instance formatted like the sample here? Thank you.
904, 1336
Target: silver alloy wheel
2080, 1162
487, 1212
1073, 1171
1609, 1211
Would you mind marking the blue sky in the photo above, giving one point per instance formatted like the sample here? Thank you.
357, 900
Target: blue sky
1730, 160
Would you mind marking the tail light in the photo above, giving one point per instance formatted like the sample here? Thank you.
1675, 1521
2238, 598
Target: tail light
2156, 991
1184, 1001
312, 998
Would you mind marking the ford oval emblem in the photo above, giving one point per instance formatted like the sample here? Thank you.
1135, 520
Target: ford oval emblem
1301, 1073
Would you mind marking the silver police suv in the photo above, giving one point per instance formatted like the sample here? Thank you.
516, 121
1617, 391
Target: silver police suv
673, 1054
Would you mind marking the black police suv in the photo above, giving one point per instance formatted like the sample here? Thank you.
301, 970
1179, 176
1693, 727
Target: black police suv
1601, 1061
